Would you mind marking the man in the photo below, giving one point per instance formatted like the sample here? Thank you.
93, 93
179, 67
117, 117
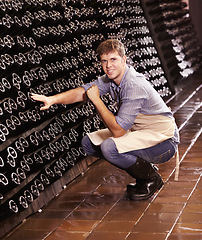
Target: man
142, 132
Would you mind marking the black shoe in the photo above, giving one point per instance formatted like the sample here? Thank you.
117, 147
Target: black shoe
144, 189
148, 181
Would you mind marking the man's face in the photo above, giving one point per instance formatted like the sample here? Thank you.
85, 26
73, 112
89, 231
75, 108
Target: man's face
113, 65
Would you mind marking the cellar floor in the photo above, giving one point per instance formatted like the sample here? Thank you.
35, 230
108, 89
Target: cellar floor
94, 206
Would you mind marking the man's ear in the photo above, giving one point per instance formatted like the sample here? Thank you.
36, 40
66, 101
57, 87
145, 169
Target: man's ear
124, 59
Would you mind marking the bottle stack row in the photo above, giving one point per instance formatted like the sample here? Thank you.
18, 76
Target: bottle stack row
175, 39
48, 47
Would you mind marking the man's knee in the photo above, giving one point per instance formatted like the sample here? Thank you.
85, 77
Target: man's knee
90, 148
86, 143
108, 148
83, 141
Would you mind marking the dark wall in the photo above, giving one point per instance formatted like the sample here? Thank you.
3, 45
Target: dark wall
195, 12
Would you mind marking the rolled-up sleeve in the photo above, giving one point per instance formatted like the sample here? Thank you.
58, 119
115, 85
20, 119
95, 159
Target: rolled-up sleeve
103, 84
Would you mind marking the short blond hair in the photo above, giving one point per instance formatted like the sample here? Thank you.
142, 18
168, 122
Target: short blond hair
111, 45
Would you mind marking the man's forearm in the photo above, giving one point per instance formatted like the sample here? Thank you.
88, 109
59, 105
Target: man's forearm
109, 119
69, 97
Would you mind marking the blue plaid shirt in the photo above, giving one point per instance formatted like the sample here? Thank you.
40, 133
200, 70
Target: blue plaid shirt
133, 95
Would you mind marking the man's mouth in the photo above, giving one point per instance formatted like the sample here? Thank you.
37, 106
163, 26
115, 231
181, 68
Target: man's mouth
110, 71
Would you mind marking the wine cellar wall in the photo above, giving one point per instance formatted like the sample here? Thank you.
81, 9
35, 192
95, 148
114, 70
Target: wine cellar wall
48, 47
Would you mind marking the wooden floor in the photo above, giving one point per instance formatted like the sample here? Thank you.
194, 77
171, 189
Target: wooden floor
93, 206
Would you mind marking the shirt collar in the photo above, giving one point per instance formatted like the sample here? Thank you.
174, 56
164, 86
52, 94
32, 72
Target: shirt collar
113, 84
124, 76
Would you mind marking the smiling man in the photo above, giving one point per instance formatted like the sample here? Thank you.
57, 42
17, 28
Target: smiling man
141, 133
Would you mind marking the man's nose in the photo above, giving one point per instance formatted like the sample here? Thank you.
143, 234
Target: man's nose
108, 64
